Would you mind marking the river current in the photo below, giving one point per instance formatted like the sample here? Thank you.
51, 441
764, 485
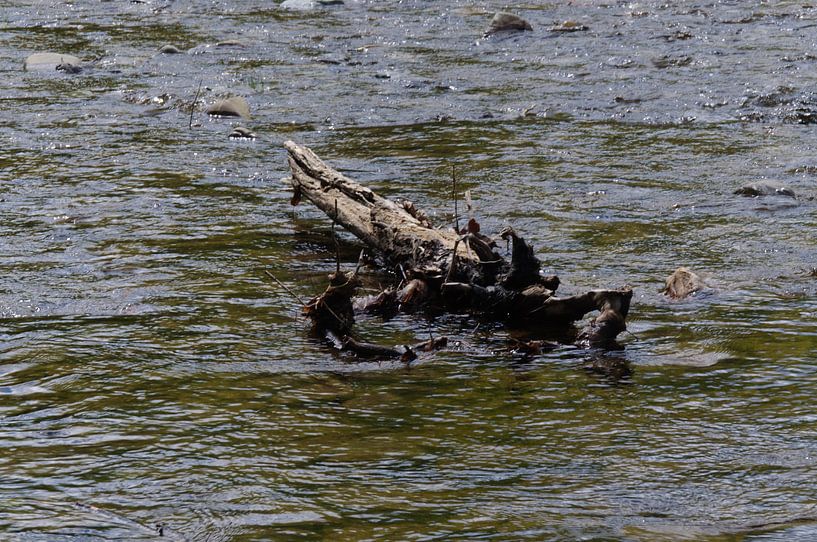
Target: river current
155, 381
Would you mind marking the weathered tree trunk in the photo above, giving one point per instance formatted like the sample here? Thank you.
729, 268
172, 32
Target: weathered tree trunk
380, 223
460, 270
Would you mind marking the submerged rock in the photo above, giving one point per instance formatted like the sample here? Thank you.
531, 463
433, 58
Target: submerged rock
52, 61
785, 102
801, 115
683, 283
781, 96
612, 368
236, 106
669, 62
765, 189
504, 22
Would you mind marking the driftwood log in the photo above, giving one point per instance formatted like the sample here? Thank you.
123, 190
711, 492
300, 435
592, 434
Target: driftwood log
459, 271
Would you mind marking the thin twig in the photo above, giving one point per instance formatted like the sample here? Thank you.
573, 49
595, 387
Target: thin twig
193, 105
359, 261
453, 262
335, 237
285, 287
454, 192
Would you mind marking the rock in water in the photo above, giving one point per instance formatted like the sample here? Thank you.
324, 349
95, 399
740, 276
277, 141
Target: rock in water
299, 5
765, 189
235, 106
682, 283
306, 5
50, 61
170, 50
503, 21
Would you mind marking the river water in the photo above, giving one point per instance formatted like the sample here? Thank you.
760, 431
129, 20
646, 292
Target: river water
153, 379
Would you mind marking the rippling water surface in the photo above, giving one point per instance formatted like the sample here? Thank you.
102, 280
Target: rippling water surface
154, 381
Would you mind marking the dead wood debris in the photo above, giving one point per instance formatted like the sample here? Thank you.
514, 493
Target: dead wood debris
682, 283
456, 270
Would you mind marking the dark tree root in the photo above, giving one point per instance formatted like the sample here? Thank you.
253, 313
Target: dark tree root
442, 269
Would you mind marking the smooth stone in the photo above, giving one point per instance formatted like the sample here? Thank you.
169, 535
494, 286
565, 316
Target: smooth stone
230, 43
306, 5
765, 189
503, 21
298, 5
235, 106
170, 50
683, 283
50, 61
239, 132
